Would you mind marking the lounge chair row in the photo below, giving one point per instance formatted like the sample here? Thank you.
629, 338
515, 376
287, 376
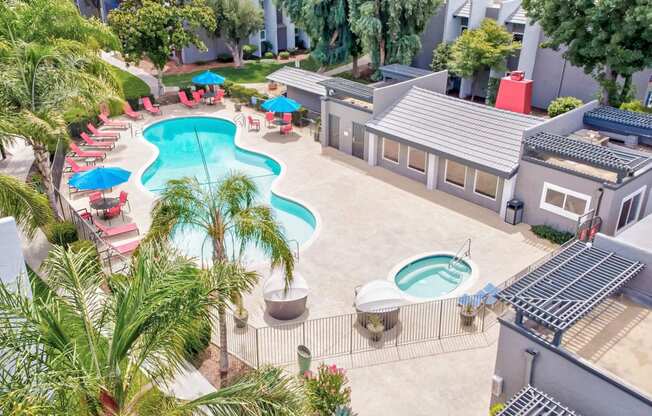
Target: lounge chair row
486, 296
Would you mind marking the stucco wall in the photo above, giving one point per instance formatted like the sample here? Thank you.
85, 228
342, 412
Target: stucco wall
309, 100
610, 209
215, 47
388, 95
402, 167
569, 382
12, 263
430, 38
468, 192
348, 115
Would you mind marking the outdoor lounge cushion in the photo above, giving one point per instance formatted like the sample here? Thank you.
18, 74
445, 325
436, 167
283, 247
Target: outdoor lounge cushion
107, 231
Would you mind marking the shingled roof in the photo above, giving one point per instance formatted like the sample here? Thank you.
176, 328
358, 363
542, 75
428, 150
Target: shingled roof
299, 78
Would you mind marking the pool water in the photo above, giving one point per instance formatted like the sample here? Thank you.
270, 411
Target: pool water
431, 277
178, 141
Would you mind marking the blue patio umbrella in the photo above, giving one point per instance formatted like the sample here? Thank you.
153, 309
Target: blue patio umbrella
281, 104
208, 78
99, 178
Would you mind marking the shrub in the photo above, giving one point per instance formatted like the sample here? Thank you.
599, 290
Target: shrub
299, 116
563, 105
284, 55
551, 234
492, 91
635, 106
326, 390
496, 408
224, 57
292, 51
266, 46
199, 342
81, 245
62, 233
249, 50
269, 55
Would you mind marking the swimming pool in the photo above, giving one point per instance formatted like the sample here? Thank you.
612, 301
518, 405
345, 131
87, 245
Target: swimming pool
180, 142
432, 276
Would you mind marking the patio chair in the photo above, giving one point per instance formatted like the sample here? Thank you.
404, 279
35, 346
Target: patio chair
254, 123
269, 118
92, 143
196, 95
185, 101
114, 212
219, 95
85, 214
151, 108
488, 293
75, 168
286, 129
107, 231
130, 111
102, 135
86, 154
104, 118
287, 118
94, 196
124, 200
125, 248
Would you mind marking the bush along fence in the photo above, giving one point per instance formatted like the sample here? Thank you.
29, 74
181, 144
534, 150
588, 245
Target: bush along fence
360, 332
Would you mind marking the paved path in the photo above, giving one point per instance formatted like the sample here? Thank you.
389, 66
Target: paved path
148, 78
347, 67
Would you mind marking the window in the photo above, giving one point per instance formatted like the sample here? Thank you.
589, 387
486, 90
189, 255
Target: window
486, 184
391, 150
263, 35
518, 37
417, 160
630, 208
564, 202
455, 173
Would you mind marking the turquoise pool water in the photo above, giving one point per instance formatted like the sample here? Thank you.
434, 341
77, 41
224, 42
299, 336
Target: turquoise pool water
179, 156
431, 276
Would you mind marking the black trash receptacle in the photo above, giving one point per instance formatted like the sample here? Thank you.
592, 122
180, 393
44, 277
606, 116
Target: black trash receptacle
514, 212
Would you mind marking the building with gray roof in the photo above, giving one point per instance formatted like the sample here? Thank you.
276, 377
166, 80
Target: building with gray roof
301, 85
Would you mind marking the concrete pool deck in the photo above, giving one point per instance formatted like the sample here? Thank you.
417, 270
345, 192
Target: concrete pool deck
370, 219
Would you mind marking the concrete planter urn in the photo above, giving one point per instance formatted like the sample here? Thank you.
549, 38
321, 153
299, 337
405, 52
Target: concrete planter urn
238, 107
467, 315
375, 327
241, 317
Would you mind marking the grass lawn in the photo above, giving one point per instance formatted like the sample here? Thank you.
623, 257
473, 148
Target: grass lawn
252, 72
132, 86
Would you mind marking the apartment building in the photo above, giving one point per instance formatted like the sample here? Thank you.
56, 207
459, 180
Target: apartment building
553, 76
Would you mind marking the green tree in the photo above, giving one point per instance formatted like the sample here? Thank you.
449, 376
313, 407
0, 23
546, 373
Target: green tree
75, 349
563, 105
486, 47
46, 70
608, 39
390, 29
228, 214
442, 57
236, 20
29, 208
155, 29
327, 22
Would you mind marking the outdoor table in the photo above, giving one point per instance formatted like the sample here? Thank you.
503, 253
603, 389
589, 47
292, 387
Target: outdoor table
208, 97
90, 161
104, 204
280, 122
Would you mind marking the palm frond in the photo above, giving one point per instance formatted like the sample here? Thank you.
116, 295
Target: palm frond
29, 208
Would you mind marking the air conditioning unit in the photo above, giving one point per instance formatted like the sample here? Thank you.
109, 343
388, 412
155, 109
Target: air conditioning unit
496, 385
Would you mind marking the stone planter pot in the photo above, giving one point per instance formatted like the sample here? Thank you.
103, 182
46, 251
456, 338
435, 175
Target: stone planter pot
468, 317
241, 318
376, 331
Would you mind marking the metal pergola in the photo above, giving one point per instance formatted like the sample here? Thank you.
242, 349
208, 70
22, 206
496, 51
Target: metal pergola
342, 86
568, 286
619, 121
533, 402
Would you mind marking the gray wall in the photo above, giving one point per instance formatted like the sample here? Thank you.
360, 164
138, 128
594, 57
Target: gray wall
215, 47
430, 38
307, 99
388, 95
402, 167
348, 115
568, 381
563, 124
468, 193
610, 209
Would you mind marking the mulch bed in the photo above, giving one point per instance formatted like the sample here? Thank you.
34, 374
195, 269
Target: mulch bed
208, 364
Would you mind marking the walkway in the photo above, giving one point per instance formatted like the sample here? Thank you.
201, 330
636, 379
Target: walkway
148, 78
362, 62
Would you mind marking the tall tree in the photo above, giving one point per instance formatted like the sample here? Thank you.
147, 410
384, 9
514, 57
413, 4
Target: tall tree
46, 68
75, 349
29, 208
155, 29
227, 212
236, 20
390, 30
327, 22
608, 39
486, 47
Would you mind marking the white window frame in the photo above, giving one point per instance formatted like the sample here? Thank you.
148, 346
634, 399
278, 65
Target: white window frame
640, 191
425, 161
398, 156
475, 182
466, 171
560, 211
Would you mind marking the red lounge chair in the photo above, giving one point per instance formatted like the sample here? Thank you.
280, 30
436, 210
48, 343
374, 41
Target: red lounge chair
102, 135
254, 123
112, 123
106, 231
287, 118
114, 212
83, 153
85, 214
104, 109
151, 108
123, 200
185, 101
269, 117
286, 129
196, 95
92, 143
130, 111
75, 168
125, 248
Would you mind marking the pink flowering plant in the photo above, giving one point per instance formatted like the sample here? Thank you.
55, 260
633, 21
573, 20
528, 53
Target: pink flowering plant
327, 390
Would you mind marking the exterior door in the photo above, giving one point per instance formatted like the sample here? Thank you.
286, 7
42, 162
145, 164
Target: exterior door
358, 141
334, 131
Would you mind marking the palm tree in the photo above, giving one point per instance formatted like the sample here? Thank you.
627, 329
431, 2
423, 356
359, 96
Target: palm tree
227, 212
44, 70
76, 349
29, 208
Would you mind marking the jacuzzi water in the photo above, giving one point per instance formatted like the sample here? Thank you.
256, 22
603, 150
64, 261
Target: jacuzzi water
179, 156
431, 276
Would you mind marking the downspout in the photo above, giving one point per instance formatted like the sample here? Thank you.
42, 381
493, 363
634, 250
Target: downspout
530, 355
597, 205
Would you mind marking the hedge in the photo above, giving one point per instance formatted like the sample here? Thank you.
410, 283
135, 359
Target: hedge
563, 105
551, 234
62, 233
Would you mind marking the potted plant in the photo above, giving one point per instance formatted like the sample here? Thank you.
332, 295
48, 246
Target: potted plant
467, 314
241, 315
376, 327
317, 129
238, 106
272, 86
